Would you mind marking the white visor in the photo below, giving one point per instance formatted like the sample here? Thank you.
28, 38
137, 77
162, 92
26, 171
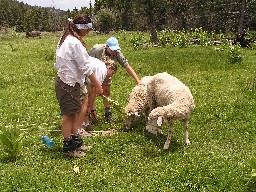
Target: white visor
84, 26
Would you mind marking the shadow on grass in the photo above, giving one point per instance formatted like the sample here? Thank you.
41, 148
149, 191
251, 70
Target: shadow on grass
6, 159
251, 186
158, 140
153, 147
54, 152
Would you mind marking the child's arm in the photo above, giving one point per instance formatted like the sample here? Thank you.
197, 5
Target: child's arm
96, 83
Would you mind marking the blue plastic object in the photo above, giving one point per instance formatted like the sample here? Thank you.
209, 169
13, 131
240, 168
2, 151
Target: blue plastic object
47, 141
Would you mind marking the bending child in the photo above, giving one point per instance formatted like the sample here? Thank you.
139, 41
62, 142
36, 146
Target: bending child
104, 69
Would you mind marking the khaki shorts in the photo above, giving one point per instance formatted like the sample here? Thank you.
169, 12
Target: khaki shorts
68, 97
84, 92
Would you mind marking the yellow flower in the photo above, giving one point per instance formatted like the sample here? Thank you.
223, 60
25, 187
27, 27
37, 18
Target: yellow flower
76, 169
115, 104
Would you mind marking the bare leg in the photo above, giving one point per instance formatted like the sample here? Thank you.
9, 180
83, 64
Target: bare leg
169, 136
83, 114
67, 124
185, 126
83, 117
106, 92
91, 101
108, 114
76, 124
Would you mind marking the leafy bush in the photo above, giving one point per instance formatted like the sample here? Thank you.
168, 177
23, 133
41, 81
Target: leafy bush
164, 37
251, 35
234, 53
181, 39
122, 34
139, 41
199, 33
253, 45
174, 38
11, 140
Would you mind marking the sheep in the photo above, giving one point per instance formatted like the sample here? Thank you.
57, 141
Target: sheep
139, 102
163, 98
175, 102
33, 34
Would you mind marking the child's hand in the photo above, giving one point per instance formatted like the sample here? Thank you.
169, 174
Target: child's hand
99, 91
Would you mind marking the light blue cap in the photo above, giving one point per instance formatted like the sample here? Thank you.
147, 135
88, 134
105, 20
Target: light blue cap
112, 43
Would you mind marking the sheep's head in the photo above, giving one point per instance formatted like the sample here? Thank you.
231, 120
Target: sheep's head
154, 126
129, 120
138, 101
155, 121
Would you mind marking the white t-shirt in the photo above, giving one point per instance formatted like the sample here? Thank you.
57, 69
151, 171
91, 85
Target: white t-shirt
72, 62
99, 68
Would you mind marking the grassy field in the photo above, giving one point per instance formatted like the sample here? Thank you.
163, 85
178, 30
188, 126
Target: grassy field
222, 127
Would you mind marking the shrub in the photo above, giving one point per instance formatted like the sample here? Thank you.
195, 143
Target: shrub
139, 41
11, 140
163, 37
234, 53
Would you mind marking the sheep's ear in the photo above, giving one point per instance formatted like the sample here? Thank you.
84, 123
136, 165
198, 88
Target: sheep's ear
159, 121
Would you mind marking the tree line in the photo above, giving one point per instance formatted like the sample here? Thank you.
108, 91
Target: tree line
138, 15
23, 17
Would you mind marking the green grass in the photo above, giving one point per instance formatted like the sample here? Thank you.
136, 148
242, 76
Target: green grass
221, 130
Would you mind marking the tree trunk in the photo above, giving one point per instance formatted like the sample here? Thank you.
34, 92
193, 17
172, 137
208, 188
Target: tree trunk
150, 18
153, 33
241, 23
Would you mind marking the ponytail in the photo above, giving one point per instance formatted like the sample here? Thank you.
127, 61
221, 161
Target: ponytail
73, 30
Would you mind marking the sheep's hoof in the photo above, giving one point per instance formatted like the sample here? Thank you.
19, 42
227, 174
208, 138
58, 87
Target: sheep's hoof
166, 145
187, 142
160, 132
127, 129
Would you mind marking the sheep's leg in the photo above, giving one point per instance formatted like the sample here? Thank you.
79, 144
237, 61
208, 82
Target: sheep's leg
146, 115
169, 136
185, 126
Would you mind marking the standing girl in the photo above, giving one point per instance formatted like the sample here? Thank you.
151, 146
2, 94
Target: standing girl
73, 66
